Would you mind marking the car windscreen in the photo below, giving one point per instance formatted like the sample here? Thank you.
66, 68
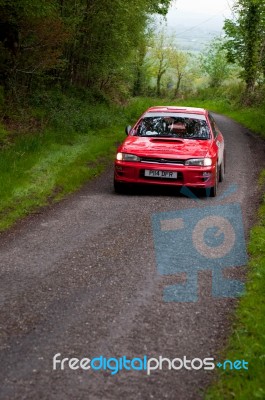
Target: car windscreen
184, 126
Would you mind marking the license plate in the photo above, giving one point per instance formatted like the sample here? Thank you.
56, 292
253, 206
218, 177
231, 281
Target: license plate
160, 174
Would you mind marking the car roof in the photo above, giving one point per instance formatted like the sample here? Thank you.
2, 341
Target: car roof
193, 110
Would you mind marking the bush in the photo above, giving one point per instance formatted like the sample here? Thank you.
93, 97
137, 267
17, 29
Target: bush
75, 112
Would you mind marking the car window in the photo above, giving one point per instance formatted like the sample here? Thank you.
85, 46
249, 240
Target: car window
175, 126
213, 125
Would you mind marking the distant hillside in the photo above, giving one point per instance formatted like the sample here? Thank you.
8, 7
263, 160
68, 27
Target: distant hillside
194, 31
197, 39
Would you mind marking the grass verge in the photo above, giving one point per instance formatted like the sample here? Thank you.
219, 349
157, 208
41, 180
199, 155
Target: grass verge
39, 168
42, 166
248, 337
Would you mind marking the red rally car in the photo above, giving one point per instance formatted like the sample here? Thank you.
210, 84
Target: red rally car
177, 146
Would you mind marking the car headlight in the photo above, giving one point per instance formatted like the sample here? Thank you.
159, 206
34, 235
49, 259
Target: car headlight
201, 162
127, 157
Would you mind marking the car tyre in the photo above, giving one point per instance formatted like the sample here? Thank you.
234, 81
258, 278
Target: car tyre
213, 189
222, 170
119, 187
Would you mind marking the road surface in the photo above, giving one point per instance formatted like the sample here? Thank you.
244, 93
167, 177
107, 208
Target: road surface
80, 278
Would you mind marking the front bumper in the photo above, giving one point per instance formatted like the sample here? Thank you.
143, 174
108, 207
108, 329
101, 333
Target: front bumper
133, 172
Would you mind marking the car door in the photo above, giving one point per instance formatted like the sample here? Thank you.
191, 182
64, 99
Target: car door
218, 139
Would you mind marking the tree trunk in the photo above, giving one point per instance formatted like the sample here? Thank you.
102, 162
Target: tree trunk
178, 85
158, 85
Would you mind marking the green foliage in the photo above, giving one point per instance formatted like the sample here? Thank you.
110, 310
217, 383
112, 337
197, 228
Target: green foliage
245, 41
30, 8
32, 39
159, 7
40, 167
179, 63
81, 43
137, 106
75, 112
3, 135
167, 66
248, 340
2, 98
214, 63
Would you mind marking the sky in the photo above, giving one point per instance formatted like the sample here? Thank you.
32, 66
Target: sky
198, 20
205, 12
204, 7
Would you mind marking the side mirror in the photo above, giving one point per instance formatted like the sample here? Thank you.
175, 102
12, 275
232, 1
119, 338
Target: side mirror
128, 129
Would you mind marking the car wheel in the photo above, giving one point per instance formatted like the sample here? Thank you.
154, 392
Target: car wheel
222, 171
213, 189
119, 187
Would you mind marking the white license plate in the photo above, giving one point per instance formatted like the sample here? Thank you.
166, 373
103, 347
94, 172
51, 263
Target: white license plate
160, 174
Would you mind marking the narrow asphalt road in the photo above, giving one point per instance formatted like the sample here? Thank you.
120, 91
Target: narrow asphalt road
81, 279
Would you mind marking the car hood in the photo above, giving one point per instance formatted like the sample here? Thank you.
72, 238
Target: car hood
165, 147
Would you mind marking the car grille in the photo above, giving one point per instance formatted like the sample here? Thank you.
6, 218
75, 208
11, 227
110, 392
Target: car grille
162, 161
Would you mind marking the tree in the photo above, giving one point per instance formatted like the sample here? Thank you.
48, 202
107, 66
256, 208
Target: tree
215, 64
178, 61
107, 35
160, 48
85, 43
32, 38
246, 40
139, 67
168, 65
